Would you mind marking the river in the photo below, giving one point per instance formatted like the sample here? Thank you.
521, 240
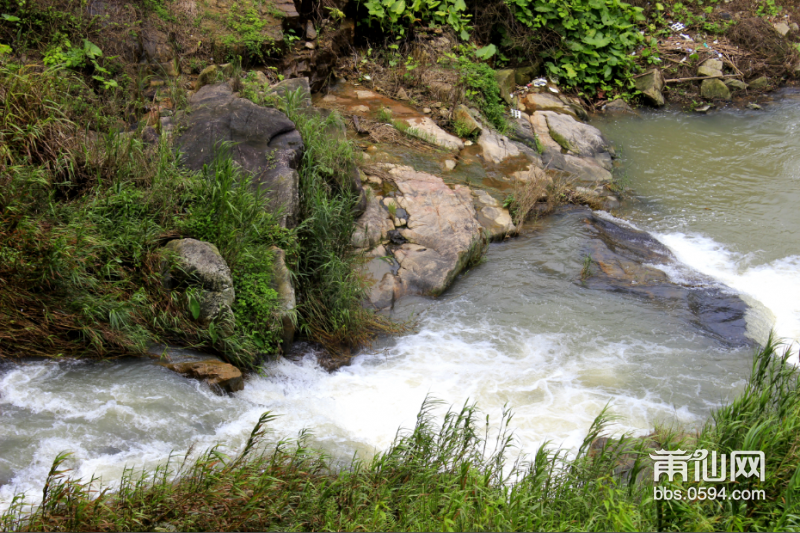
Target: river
520, 329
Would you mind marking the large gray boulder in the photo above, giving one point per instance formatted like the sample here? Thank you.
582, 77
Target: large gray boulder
579, 138
262, 141
197, 266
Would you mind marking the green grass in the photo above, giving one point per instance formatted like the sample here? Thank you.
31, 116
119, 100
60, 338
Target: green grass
451, 474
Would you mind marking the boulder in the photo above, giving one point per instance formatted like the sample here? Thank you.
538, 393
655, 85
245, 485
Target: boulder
542, 132
496, 148
505, 80
207, 76
282, 283
443, 235
714, 89
534, 102
495, 220
462, 116
710, 67
651, 84
221, 377
575, 136
262, 141
198, 265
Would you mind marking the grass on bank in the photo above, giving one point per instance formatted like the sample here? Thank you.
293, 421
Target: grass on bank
453, 476
86, 207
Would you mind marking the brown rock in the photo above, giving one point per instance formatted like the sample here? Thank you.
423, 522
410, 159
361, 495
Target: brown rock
221, 377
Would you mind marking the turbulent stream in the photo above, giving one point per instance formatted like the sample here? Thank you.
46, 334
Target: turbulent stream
722, 192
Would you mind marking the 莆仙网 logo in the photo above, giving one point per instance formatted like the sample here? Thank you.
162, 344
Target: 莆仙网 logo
739, 464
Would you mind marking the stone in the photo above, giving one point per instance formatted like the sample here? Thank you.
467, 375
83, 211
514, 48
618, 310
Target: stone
714, 89
534, 102
704, 109
287, 299
198, 265
754, 107
443, 235
221, 377
311, 32
426, 110
710, 67
624, 260
794, 27
426, 129
651, 84
292, 86
496, 221
263, 142
449, 164
575, 136
497, 148
759, 83
155, 47
402, 94
207, 76
310, 45
542, 132
505, 80
618, 106
372, 226
782, 28
736, 85
467, 123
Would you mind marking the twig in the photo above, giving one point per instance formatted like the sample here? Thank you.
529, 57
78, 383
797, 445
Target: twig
696, 78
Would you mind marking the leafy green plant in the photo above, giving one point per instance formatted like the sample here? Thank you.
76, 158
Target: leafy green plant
481, 88
597, 37
768, 8
393, 16
77, 57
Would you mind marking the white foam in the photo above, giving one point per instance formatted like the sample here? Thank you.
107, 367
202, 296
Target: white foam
776, 285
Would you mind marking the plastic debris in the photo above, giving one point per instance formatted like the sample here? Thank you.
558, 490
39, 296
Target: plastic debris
678, 26
687, 37
516, 113
539, 82
553, 90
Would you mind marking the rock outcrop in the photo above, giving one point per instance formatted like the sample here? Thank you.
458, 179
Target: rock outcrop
651, 84
197, 266
622, 259
220, 376
262, 141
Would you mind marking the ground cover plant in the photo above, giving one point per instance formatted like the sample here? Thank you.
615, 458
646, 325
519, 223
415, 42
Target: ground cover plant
452, 474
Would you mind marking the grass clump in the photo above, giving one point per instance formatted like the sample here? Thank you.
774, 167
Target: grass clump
454, 474
482, 90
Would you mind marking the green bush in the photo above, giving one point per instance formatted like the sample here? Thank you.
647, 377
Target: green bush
482, 90
597, 38
393, 16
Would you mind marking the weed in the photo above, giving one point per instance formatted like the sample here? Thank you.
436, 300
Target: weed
586, 269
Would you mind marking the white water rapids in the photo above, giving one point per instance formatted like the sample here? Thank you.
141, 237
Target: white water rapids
517, 330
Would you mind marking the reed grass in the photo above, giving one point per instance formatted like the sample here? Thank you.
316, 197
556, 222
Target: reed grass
450, 474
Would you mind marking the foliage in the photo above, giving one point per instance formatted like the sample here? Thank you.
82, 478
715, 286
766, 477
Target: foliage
452, 475
393, 16
597, 39
482, 90
78, 57
247, 25
331, 310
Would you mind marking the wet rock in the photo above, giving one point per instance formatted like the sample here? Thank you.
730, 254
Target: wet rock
714, 89
576, 137
287, 300
523, 75
505, 80
622, 260
426, 129
495, 220
263, 142
222, 377
443, 235
463, 117
195, 265
542, 131
651, 84
618, 106
710, 67
754, 107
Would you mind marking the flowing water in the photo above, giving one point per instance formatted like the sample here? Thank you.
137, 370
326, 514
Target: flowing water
520, 329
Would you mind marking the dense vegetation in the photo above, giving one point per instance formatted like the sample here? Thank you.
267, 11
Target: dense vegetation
453, 476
